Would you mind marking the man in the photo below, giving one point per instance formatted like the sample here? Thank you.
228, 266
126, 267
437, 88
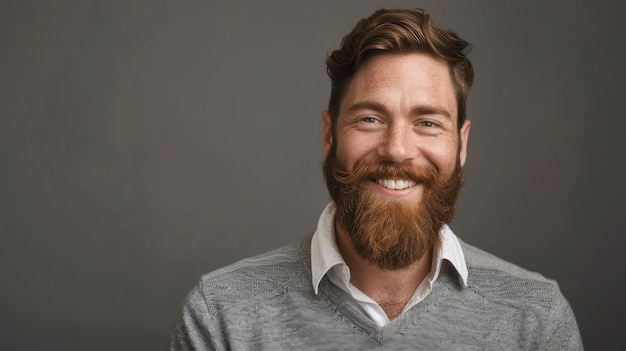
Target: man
383, 269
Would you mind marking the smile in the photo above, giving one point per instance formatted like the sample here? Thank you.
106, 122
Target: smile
395, 184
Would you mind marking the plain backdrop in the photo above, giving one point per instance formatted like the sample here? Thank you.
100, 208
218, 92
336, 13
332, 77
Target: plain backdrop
145, 143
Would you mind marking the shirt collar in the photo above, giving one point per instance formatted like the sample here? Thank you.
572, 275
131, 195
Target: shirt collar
325, 253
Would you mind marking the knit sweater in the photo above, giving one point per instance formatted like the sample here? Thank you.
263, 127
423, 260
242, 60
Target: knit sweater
268, 303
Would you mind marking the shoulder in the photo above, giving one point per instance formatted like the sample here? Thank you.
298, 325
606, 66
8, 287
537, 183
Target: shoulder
231, 295
258, 276
520, 297
498, 279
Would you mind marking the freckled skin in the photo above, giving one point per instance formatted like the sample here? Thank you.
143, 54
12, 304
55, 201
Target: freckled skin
415, 116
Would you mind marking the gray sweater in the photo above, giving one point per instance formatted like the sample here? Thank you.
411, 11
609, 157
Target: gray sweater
268, 303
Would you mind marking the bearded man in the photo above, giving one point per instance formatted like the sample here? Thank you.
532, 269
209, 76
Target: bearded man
383, 269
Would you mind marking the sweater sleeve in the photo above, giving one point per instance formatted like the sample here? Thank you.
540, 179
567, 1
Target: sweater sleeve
562, 330
192, 327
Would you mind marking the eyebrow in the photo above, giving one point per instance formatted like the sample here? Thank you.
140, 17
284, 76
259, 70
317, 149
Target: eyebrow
378, 107
432, 110
367, 105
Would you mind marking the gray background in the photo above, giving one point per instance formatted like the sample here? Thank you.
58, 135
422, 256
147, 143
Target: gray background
144, 143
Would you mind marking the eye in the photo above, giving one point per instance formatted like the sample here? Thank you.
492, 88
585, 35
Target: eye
427, 124
369, 120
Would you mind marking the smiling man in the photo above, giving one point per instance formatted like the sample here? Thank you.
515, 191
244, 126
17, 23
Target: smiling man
393, 167
383, 269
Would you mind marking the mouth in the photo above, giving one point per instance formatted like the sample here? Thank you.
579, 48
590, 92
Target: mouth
395, 184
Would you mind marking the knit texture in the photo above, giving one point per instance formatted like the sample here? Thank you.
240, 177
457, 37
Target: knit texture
268, 303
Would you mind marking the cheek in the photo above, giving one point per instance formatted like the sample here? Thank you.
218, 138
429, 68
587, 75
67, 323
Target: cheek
347, 155
442, 155
352, 148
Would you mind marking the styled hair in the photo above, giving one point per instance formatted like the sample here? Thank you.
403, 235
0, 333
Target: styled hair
398, 32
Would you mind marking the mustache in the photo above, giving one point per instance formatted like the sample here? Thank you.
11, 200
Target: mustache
362, 171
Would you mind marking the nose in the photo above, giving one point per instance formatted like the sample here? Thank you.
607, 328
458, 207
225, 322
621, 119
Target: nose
397, 145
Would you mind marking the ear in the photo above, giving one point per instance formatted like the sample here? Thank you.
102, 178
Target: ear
327, 132
463, 138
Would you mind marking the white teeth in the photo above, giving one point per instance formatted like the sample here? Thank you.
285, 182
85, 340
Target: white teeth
395, 184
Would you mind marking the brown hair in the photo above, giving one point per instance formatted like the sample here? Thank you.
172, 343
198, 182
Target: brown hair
398, 31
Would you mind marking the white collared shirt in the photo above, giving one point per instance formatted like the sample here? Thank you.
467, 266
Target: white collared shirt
326, 260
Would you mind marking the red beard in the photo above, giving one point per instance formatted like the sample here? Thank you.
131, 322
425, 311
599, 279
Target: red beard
391, 233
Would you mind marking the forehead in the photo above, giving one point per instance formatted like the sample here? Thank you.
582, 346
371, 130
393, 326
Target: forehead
403, 82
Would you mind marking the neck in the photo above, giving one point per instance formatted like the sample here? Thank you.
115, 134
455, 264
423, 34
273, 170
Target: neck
391, 289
